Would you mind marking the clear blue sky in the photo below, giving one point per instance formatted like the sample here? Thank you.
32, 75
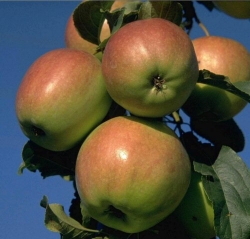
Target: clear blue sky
28, 30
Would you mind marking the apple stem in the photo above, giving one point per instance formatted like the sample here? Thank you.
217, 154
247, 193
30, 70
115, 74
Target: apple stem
202, 26
176, 117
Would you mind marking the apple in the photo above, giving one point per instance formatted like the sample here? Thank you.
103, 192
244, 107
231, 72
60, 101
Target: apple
236, 9
195, 212
61, 98
131, 173
150, 67
223, 56
75, 41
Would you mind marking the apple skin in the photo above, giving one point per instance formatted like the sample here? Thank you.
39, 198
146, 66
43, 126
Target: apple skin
131, 173
75, 41
61, 98
151, 71
236, 9
223, 56
195, 212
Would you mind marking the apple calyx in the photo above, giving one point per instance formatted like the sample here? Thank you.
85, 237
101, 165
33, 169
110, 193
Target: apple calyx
158, 83
114, 212
37, 131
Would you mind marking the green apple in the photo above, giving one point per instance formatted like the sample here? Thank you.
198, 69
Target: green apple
61, 98
131, 173
150, 67
236, 9
195, 212
223, 56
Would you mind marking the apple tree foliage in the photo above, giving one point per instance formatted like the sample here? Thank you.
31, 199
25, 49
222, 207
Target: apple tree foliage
225, 176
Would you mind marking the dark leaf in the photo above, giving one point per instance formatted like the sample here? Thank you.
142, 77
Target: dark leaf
208, 4
201, 152
89, 17
220, 133
167, 228
227, 183
115, 110
75, 209
48, 163
189, 14
223, 82
168, 10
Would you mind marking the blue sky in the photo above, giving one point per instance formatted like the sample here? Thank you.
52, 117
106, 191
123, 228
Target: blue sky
28, 30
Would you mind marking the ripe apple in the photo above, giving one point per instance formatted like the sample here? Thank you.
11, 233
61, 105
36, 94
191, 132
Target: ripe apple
223, 56
195, 211
75, 41
150, 67
236, 9
61, 98
131, 173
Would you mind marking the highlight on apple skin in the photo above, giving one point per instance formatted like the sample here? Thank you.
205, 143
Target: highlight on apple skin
61, 98
131, 173
150, 72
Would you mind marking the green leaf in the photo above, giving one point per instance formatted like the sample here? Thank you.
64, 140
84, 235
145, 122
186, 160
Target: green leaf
56, 220
121, 16
48, 163
244, 86
223, 82
227, 183
118, 18
220, 133
168, 10
89, 17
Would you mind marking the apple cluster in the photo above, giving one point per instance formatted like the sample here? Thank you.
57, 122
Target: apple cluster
132, 171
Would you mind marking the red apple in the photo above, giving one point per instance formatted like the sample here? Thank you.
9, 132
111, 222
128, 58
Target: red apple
223, 56
131, 173
150, 67
62, 97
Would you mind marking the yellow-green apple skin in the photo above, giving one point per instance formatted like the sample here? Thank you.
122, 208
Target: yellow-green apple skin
131, 173
150, 67
61, 98
195, 212
75, 41
236, 9
223, 56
